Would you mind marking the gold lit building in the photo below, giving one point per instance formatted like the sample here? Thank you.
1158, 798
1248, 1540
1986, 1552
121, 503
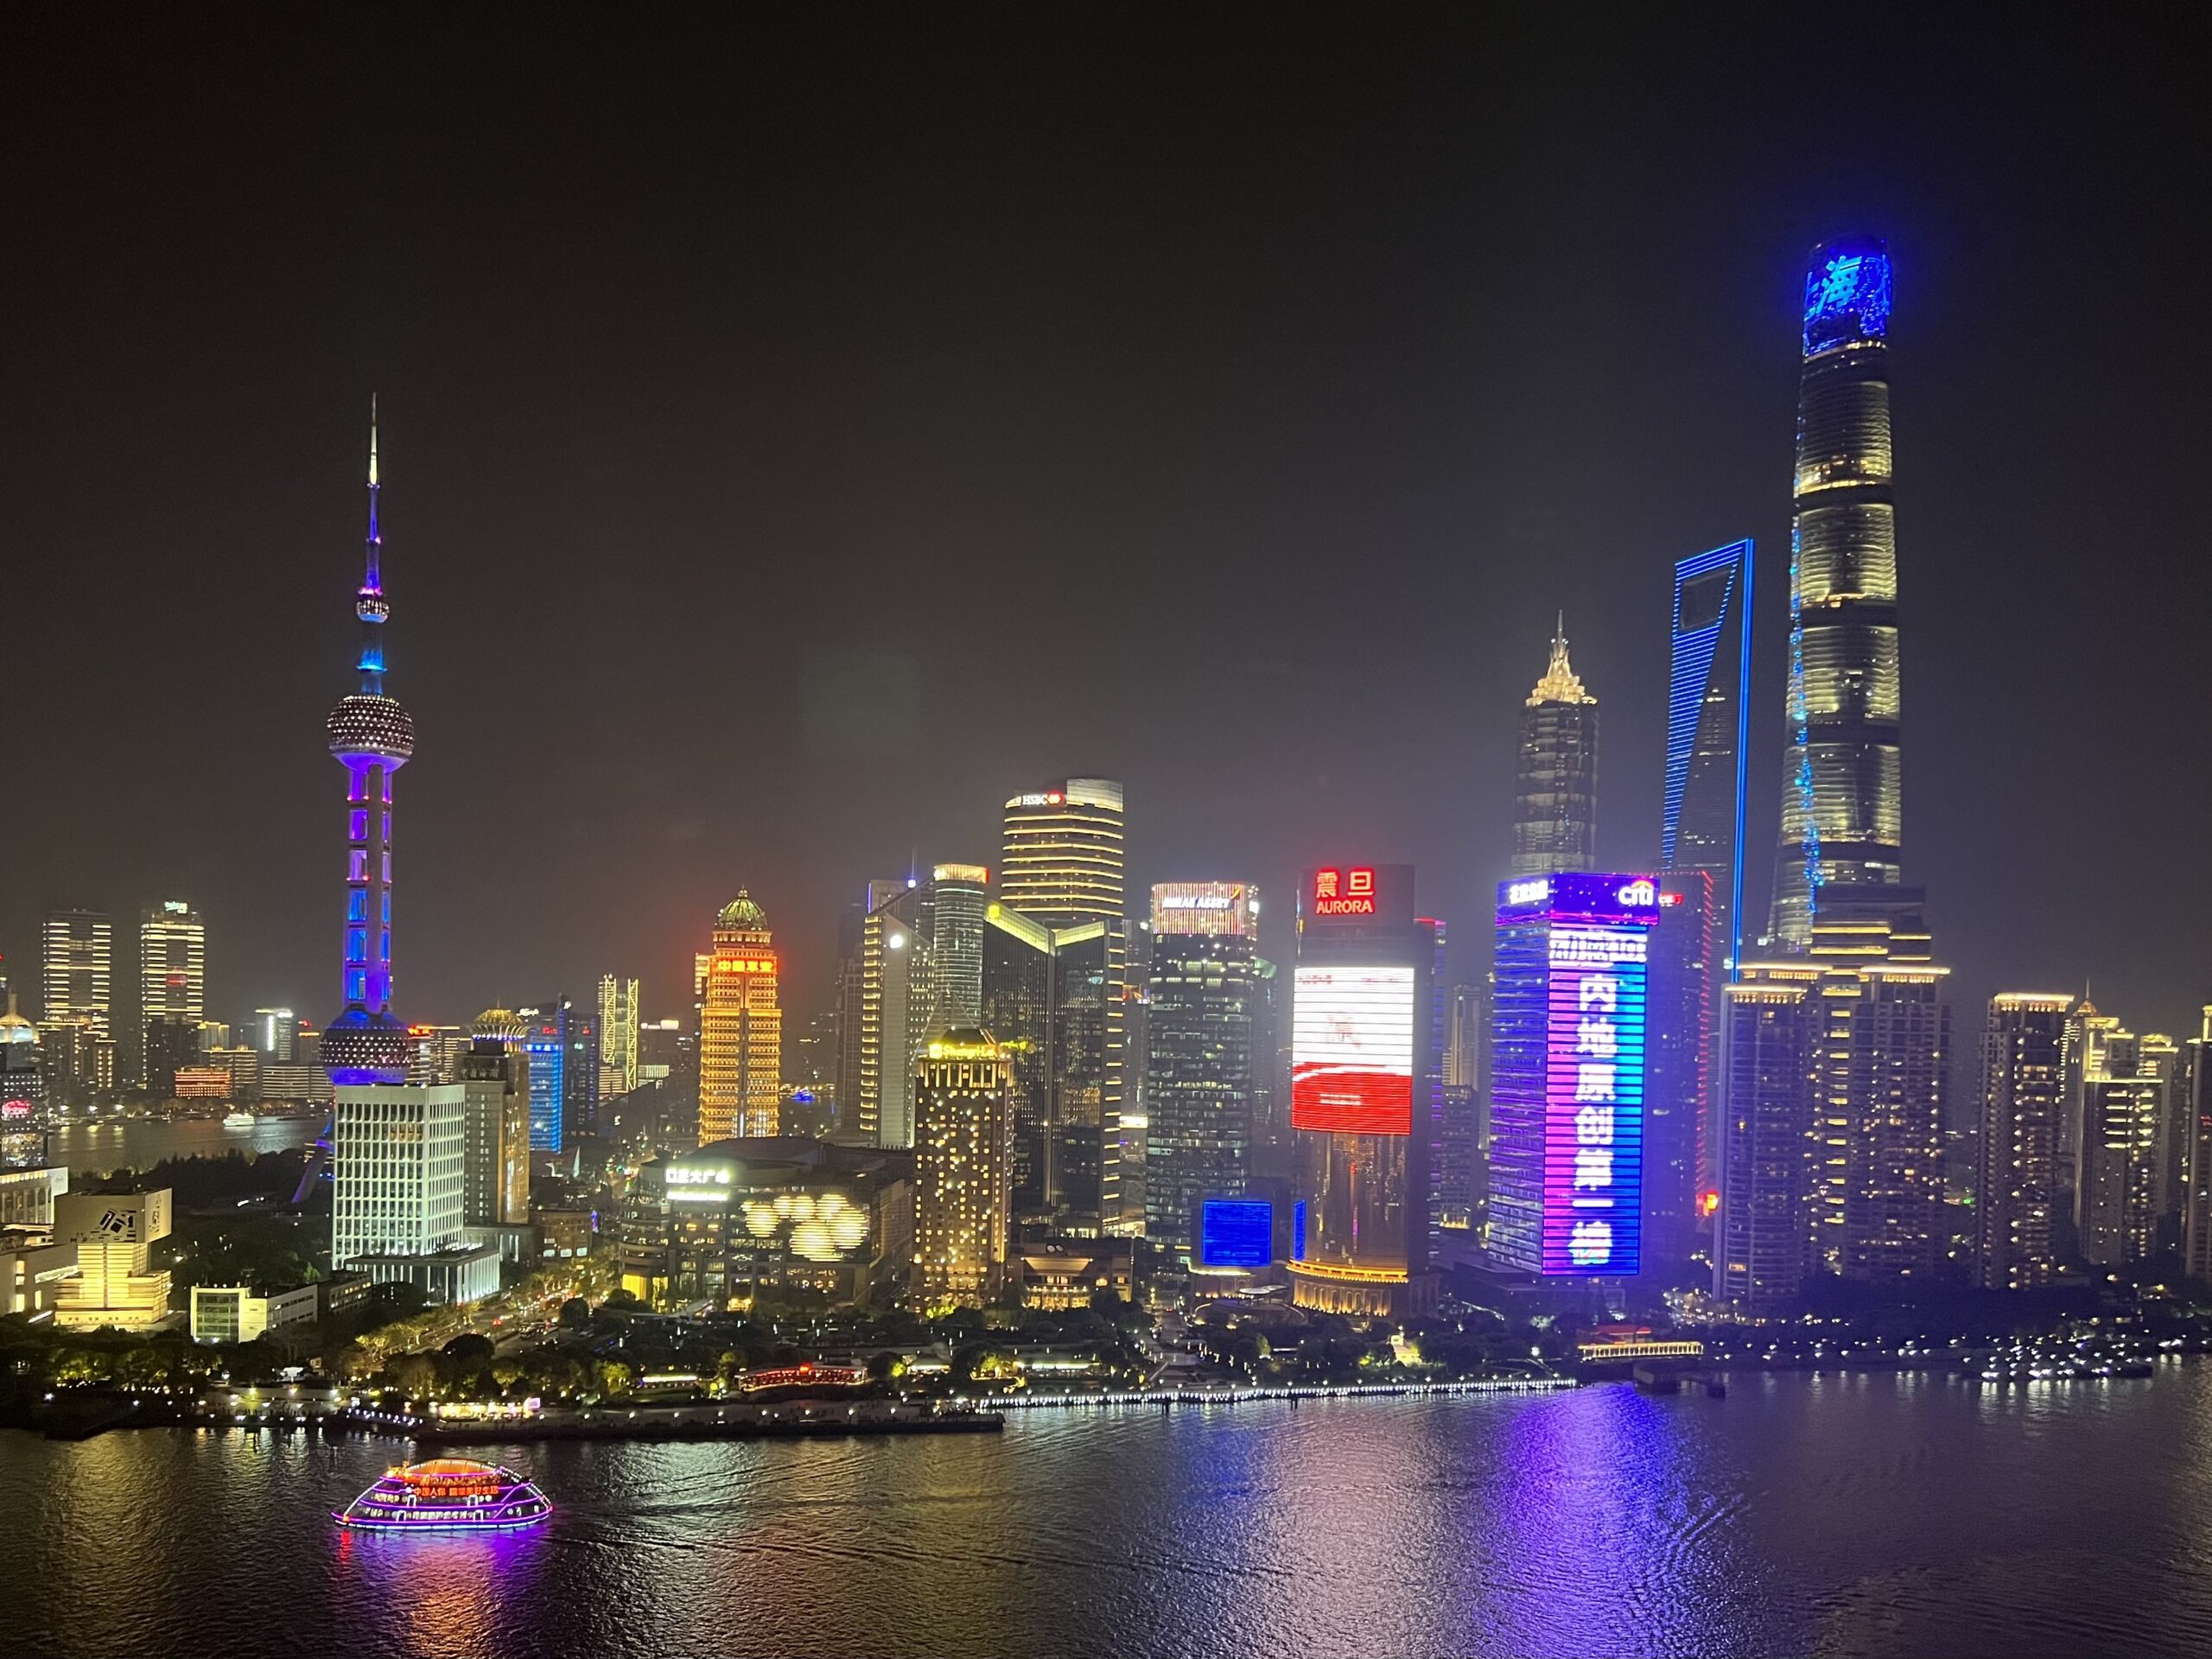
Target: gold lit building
1063, 861
117, 1283
963, 1171
740, 1028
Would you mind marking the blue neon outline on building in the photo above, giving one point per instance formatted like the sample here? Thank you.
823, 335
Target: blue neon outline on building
1689, 681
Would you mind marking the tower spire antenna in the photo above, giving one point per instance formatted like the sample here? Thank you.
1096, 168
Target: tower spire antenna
372, 582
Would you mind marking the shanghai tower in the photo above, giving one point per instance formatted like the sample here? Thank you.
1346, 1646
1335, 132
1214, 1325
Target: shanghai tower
371, 736
1840, 808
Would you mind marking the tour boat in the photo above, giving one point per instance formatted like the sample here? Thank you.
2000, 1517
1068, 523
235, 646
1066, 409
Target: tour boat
239, 1121
451, 1494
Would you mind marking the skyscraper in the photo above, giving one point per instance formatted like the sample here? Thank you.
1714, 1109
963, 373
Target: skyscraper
1062, 863
1555, 782
1199, 1063
617, 1036
1868, 1012
1568, 1091
397, 1149
172, 988
1770, 1036
2116, 1190
495, 1155
963, 1172
741, 1030
24, 1110
1841, 812
1365, 1094
1708, 715
78, 979
1679, 1091
959, 895
2023, 1097
2197, 1201
895, 941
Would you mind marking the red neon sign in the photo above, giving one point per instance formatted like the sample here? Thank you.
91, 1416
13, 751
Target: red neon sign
1344, 893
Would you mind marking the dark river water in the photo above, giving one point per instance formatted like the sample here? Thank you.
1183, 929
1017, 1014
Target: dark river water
1857, 1515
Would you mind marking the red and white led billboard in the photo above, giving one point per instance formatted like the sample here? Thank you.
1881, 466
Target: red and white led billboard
1351, 1051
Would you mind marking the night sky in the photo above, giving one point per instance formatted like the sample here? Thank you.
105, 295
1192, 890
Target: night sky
803, 427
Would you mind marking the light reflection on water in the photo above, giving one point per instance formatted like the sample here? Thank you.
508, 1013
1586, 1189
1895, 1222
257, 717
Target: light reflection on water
1853, 1514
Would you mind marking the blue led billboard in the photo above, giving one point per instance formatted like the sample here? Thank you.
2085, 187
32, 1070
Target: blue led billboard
1236, 1233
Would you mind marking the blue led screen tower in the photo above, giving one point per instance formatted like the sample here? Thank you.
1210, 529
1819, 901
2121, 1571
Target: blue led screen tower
1841, 818
371, 737
1709, 708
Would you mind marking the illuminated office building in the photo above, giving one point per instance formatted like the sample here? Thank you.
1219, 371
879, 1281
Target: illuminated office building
2159, 1060
741, 1030
1203, 988
1841, 799
1771, 1057
1463, 1140
77, 977
275, 1032
495, 1098
917, 969
963, 1172
1679, 1090
732, 1219
2023, 1098
172, 989
894, 980
959, 896
1555, 781
23, 1093
1365, 1093
617, 1036
1062, 863
546, 1041
1868, 1185
1567, 1125
2115, 1187
2196, 1202
117, 1283
1708, 715
1055, 999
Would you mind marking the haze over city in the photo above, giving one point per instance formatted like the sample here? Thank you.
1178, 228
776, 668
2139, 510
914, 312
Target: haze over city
1224, 829
799, 438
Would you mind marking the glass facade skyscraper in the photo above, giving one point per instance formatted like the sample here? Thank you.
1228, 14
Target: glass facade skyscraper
1567, 1102
1200, 1062
1708, 710
1841, 814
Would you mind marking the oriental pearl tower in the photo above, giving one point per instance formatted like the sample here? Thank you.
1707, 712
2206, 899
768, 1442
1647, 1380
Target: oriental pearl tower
371, 737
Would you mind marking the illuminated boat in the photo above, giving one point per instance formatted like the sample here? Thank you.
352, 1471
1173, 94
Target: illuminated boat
447, 1494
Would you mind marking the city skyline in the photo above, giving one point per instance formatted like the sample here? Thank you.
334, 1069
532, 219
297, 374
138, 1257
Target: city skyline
1400, 752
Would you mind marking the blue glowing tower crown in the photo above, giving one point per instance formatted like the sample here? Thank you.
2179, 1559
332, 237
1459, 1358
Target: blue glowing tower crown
371, 737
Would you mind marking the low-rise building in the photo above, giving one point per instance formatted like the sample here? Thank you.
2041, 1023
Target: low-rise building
1065, 1273
116, 1282
238, 1313
773, 1213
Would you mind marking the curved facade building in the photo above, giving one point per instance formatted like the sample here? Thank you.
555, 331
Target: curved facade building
1062, 863
1841, 821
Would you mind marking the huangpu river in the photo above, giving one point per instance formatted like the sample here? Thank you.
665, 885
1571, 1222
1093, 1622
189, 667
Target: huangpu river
1846, 1515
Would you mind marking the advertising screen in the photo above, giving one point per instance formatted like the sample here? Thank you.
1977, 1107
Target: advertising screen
1594, 1098
1236, 1233
1351, 1051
